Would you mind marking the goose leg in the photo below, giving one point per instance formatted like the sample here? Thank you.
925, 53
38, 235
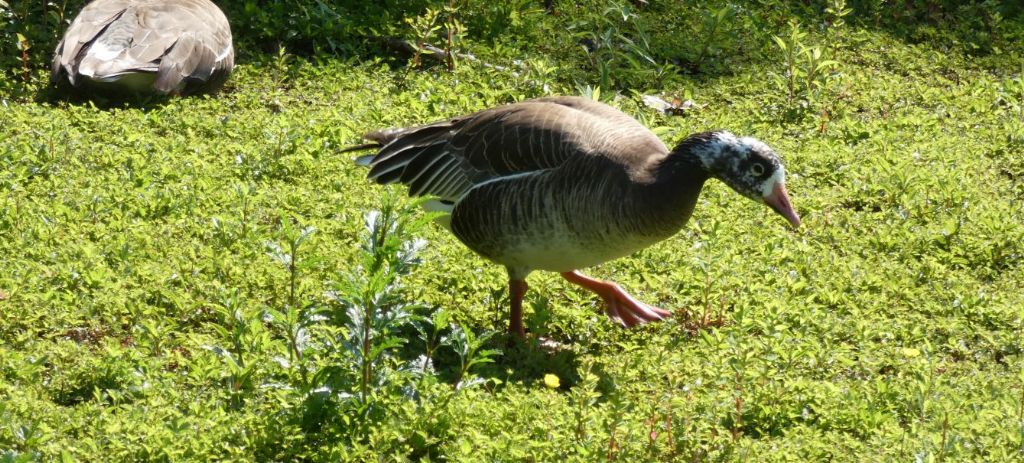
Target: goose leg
516, 291
619, 305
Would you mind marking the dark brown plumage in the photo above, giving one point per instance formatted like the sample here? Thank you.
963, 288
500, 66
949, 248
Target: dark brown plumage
139, 47
563, 183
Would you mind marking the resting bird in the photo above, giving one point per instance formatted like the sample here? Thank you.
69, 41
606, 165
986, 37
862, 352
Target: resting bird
564, 183
146, 47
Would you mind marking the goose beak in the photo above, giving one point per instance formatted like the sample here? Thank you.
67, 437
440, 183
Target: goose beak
778, 200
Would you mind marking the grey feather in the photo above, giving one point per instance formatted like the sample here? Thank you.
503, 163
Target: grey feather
146, 46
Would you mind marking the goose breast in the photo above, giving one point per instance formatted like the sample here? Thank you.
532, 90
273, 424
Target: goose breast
577, 216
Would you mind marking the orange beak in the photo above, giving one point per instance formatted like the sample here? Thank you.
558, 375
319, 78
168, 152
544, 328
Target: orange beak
779, 202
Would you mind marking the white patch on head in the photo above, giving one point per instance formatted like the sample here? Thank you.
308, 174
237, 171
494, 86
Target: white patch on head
755, 144
727, 156
725, 136
768, 185
711, 150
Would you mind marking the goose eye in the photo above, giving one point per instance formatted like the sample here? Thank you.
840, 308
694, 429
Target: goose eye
757, 170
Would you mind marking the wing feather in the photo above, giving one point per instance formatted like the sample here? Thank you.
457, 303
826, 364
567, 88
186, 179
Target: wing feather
181, 41
90, 22
450, 184
521, 140
397, 160
421, 161
428, 176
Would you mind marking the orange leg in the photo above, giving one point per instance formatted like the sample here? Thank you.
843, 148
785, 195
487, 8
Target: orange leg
619, 305
516, 291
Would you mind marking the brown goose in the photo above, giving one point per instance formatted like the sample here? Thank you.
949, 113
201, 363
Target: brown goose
138, 47
564, 183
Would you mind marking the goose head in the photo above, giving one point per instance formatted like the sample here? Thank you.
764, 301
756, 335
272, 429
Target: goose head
748, 166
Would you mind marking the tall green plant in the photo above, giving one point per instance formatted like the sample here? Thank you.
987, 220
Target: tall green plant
806, 69
296, 315
370, 297
621, 49
240, 327
715, 29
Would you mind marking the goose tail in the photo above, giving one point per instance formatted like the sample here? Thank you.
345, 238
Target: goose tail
377, 140
365, 160
361, 147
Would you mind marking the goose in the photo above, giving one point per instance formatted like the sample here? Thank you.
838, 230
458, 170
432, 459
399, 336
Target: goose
563, 183
146, 47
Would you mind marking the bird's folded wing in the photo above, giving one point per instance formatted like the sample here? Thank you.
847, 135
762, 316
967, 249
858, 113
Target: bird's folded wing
193, 43
189, 39
90, 22
449, 158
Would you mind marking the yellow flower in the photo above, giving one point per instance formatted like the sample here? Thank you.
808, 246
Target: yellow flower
910, 352
552, 381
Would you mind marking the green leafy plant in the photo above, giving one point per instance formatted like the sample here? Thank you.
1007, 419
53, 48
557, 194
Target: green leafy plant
715, 28
584, 397
470, 348
372, 298
619, 48
423, 29
837, 11
298, 312
240, 328
453, 32
806, 70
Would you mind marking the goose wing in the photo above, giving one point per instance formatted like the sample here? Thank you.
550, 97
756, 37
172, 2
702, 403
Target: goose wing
84, 29
449, 158
179, 40
202, 53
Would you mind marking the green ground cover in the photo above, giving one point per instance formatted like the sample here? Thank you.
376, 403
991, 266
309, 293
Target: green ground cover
194, 280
